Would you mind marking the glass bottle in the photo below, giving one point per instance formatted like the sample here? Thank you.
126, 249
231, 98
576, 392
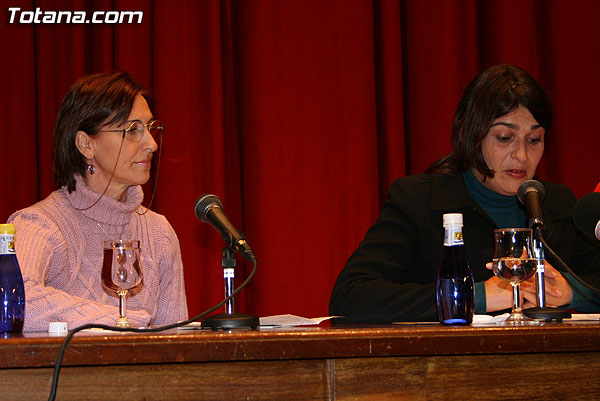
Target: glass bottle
455, 290
12, 290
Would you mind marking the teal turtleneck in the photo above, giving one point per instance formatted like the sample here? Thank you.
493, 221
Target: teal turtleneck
504, 210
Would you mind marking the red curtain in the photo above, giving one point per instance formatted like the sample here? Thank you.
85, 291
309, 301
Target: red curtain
297, 114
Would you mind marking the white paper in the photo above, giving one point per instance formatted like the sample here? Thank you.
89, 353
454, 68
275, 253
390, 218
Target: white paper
583, 316
575, 317
291, 320
191, 326
485, 319
273, 321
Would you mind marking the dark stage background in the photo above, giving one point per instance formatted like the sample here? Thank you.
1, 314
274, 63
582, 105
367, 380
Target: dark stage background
297, 114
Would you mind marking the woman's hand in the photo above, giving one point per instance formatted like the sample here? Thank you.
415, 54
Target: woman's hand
558, 290
498, 293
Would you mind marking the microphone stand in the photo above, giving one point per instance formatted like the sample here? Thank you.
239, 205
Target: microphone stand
229, 319
542, 311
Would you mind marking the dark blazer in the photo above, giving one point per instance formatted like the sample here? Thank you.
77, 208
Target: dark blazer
392, 274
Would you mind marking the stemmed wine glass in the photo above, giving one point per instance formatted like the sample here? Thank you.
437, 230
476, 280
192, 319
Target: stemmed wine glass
514, 262
121, 271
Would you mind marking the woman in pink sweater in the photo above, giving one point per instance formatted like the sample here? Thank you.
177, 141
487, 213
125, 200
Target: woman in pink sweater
104, 139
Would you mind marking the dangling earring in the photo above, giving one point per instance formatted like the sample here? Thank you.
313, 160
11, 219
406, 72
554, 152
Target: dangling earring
91, 169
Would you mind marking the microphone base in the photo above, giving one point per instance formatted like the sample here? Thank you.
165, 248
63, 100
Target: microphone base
547, 313
227, 321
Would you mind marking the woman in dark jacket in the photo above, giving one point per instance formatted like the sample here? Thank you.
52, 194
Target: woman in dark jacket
498, 140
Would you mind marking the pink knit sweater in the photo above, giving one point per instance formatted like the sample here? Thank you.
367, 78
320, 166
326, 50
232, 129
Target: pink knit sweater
60, 253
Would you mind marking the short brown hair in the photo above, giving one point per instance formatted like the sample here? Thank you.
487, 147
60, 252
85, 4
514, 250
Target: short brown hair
91, 103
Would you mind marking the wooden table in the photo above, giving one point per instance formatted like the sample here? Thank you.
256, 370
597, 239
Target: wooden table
395, 362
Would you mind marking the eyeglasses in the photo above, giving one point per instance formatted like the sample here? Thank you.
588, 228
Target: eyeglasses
137, 128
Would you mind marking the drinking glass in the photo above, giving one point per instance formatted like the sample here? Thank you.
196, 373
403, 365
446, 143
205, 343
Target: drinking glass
514, 262
121, 271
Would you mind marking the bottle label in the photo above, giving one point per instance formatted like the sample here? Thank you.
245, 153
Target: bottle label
453, 236
7, 244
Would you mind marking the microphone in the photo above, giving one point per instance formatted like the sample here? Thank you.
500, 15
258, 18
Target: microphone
209, 209
531, 193
586, 214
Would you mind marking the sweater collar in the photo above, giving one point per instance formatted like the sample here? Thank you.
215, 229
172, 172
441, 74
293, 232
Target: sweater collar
108, 210
485, 196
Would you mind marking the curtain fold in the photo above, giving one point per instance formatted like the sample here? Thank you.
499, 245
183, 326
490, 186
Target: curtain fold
297, 114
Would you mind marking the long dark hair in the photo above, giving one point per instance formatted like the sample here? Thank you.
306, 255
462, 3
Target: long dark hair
91, 103
497, 91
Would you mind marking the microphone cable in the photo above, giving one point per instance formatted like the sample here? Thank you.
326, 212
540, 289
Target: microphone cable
567, 268
71, 333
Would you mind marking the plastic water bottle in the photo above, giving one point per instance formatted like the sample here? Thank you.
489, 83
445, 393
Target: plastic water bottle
455, 289
12, 290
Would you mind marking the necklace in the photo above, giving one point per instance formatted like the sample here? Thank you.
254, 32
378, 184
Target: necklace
108, 236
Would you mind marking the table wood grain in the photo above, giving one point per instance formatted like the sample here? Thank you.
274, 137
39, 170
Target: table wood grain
376, 362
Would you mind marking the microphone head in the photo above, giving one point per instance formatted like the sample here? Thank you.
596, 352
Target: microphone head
204, 204
528, 186
586, 214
